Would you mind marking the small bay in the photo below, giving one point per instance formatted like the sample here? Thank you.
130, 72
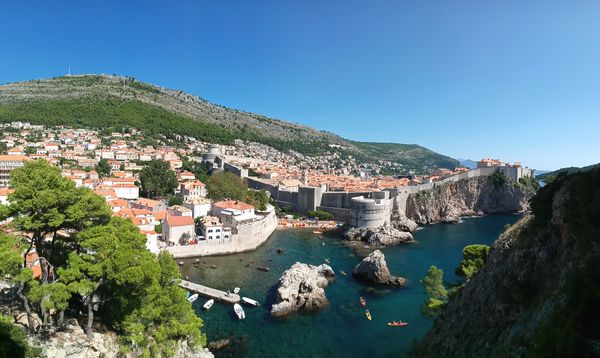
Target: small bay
340, 330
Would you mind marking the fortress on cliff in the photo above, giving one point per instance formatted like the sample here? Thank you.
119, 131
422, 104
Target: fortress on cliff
359, 209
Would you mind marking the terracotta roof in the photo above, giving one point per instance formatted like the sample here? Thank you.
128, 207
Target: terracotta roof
232, 204
5, 191
173, 221
148, 202
14, 158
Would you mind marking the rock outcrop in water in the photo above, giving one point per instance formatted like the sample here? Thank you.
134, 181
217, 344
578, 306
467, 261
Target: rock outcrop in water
385, 235
302, 288
538, 293
374, 268
467, 197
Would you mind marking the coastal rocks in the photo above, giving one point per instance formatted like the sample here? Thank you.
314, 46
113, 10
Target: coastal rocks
374, 268
401, 222
447, 202
385, 235
302, 288
73, 342
220, 344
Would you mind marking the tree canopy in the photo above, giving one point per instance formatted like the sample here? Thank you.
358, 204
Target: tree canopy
102, 268
44, 202
158, 179
226, 186
102, 168
436, 293
474, 257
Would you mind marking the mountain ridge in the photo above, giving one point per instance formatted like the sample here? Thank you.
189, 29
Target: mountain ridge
102, 101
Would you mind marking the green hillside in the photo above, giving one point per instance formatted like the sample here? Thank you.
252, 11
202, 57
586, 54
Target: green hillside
112, 102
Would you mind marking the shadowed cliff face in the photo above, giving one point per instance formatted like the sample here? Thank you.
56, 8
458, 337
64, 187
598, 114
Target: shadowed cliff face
466, 197
537, 295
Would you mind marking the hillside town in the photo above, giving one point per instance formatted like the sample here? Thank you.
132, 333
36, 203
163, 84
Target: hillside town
193, 220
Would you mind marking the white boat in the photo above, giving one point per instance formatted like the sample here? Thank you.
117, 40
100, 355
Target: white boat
193, 297
239, 311
250, 301
208, 304
236, 290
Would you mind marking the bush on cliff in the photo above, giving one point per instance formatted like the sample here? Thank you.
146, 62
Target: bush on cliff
437, 295
474, 257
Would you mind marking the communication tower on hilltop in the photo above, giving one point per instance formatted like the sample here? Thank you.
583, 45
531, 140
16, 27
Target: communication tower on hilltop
69, 70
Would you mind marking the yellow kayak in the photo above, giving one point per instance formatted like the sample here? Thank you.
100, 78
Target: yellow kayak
368, 314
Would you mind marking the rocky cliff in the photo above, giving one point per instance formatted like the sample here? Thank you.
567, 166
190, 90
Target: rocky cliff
537, 295
467, 197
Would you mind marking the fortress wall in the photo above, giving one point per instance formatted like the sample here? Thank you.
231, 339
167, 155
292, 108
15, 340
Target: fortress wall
308, 198
339, 214
249, 237
287, 196
369, 212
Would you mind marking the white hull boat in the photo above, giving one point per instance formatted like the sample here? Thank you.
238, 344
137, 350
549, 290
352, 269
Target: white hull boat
250, 301
239, 311
236, 290
193, 297
208, 304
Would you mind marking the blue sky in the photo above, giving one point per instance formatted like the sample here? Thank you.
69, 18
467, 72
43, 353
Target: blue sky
517, 80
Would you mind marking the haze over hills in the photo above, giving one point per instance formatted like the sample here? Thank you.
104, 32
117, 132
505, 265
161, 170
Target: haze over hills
102, 101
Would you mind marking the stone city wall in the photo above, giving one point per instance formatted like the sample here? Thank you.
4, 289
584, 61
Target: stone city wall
249, 237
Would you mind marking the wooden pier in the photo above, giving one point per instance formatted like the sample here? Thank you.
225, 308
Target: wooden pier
208, 292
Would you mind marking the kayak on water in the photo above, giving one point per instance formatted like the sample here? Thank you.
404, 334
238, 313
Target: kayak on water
368, 314
363, 302
397, 324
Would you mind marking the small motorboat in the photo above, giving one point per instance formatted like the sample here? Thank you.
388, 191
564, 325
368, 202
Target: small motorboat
250, 301
236, 290
239, 311
323, 243
208, 304
363, 302
343, 273
327, 261
317, 232
397, 324
193, 297
368, 314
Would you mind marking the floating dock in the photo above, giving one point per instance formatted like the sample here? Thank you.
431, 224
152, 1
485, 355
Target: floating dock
208, 292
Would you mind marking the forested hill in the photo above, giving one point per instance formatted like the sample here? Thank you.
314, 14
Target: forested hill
100, 101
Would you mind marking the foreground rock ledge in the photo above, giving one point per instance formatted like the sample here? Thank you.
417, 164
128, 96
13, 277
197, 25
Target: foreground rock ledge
302, 288
374, 268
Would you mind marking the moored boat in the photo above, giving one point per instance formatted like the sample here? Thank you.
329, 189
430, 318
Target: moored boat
236, 290
327, 261
317, 232
343, 273
193, 297
368, 314
239, 311
363, 302
397, 324
208, 304
250, 301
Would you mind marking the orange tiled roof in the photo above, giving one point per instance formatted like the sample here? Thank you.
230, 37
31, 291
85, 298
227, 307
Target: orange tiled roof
232, 204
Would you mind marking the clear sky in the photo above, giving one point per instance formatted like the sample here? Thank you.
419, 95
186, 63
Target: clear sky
516, 80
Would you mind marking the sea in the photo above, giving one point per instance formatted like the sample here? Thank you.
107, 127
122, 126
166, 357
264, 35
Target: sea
341, 329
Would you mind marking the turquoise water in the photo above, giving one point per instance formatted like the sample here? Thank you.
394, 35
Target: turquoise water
340, 330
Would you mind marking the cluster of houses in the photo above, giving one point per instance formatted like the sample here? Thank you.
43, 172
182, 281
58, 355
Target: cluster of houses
197, 221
